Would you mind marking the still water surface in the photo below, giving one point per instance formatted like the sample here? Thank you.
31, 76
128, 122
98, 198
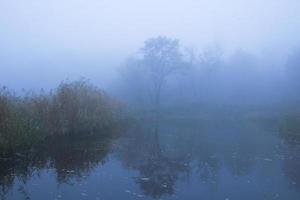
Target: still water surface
167, 160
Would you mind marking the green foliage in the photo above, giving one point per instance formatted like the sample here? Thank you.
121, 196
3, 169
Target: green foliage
74, 108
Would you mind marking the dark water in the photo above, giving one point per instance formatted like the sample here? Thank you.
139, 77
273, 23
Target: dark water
168, 160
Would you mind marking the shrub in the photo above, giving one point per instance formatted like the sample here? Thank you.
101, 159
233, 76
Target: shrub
17, 129
80, 108
74, 108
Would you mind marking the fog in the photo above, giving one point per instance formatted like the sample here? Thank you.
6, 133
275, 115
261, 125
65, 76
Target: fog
45, 42
160, 99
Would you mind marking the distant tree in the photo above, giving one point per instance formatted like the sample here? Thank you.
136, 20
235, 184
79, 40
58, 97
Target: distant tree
293, 68
292, 78
204, 74
159, 58
211, 58
133, 86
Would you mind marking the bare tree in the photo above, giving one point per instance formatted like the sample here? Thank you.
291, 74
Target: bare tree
147, 72
161, 57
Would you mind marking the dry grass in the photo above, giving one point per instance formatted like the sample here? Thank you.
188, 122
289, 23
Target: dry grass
74, 108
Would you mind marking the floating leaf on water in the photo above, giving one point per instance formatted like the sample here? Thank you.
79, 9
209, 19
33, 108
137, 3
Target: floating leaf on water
84, 194
268, 159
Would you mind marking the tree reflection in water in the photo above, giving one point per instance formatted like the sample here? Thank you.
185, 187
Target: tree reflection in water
291, 158
162, 156
142, 151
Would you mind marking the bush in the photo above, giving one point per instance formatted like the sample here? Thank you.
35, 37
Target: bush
74, 108
80, 108
17, 129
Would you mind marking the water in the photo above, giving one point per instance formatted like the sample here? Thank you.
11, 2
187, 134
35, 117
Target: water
168, 160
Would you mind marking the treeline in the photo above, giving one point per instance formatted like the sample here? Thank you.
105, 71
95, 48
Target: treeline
167, 73
73, 108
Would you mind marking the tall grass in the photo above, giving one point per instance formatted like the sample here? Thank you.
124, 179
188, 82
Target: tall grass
74, 108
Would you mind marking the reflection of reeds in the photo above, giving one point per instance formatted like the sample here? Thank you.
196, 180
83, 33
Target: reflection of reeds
74, 108
290, 128
71, 158
290, 125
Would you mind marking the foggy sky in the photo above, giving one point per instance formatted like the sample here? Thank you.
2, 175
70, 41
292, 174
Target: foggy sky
44, 42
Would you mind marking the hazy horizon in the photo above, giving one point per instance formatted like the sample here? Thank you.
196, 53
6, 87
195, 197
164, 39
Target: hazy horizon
43, 43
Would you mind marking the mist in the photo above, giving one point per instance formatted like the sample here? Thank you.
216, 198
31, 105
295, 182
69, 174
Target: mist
111, 99
43, 43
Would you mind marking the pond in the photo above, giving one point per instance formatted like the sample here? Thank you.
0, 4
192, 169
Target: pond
161, 160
